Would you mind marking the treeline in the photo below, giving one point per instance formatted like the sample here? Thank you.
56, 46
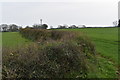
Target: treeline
9, 28
15, 28
45, 26
68, 27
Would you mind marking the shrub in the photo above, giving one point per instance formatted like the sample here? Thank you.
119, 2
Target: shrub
56, 60
38, 34
35, 34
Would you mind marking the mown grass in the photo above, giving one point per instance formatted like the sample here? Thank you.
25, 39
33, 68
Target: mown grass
13, 39
106, 42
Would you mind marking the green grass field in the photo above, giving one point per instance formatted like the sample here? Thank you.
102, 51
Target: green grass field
104, 39
0, 39
13, 39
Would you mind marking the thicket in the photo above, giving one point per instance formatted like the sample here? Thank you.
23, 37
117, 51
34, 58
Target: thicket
55, 54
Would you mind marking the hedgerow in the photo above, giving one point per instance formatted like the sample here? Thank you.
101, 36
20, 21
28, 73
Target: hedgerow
59, 54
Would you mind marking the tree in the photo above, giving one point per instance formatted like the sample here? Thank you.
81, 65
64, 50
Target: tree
84, 26
38, 26
44, 26
13, 28
119, 23
27, 27
20, 28
115, 23
51, 27
73, 26
62, 27
4, 27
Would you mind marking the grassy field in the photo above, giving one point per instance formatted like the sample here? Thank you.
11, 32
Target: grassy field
13, 39
106, 42
104, 39
0, 39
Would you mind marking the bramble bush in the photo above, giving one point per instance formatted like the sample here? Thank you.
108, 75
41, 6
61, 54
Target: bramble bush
60, 54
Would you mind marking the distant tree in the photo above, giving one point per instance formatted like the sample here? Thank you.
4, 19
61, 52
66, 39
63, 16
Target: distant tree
65, 26
20, 27
119, 23
59, 26
62, 27
81, 26
38, 26
51, 27
44, 26
115, 23
73, 26
84, 26
0, 28
13, 28
27, 27
4, 27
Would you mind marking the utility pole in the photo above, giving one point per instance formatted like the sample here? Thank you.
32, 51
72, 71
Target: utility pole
41, 21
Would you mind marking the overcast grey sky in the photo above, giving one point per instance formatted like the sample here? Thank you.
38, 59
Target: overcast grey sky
58, 12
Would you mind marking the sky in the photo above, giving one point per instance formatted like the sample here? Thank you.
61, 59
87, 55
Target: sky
59, 12
119, 10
